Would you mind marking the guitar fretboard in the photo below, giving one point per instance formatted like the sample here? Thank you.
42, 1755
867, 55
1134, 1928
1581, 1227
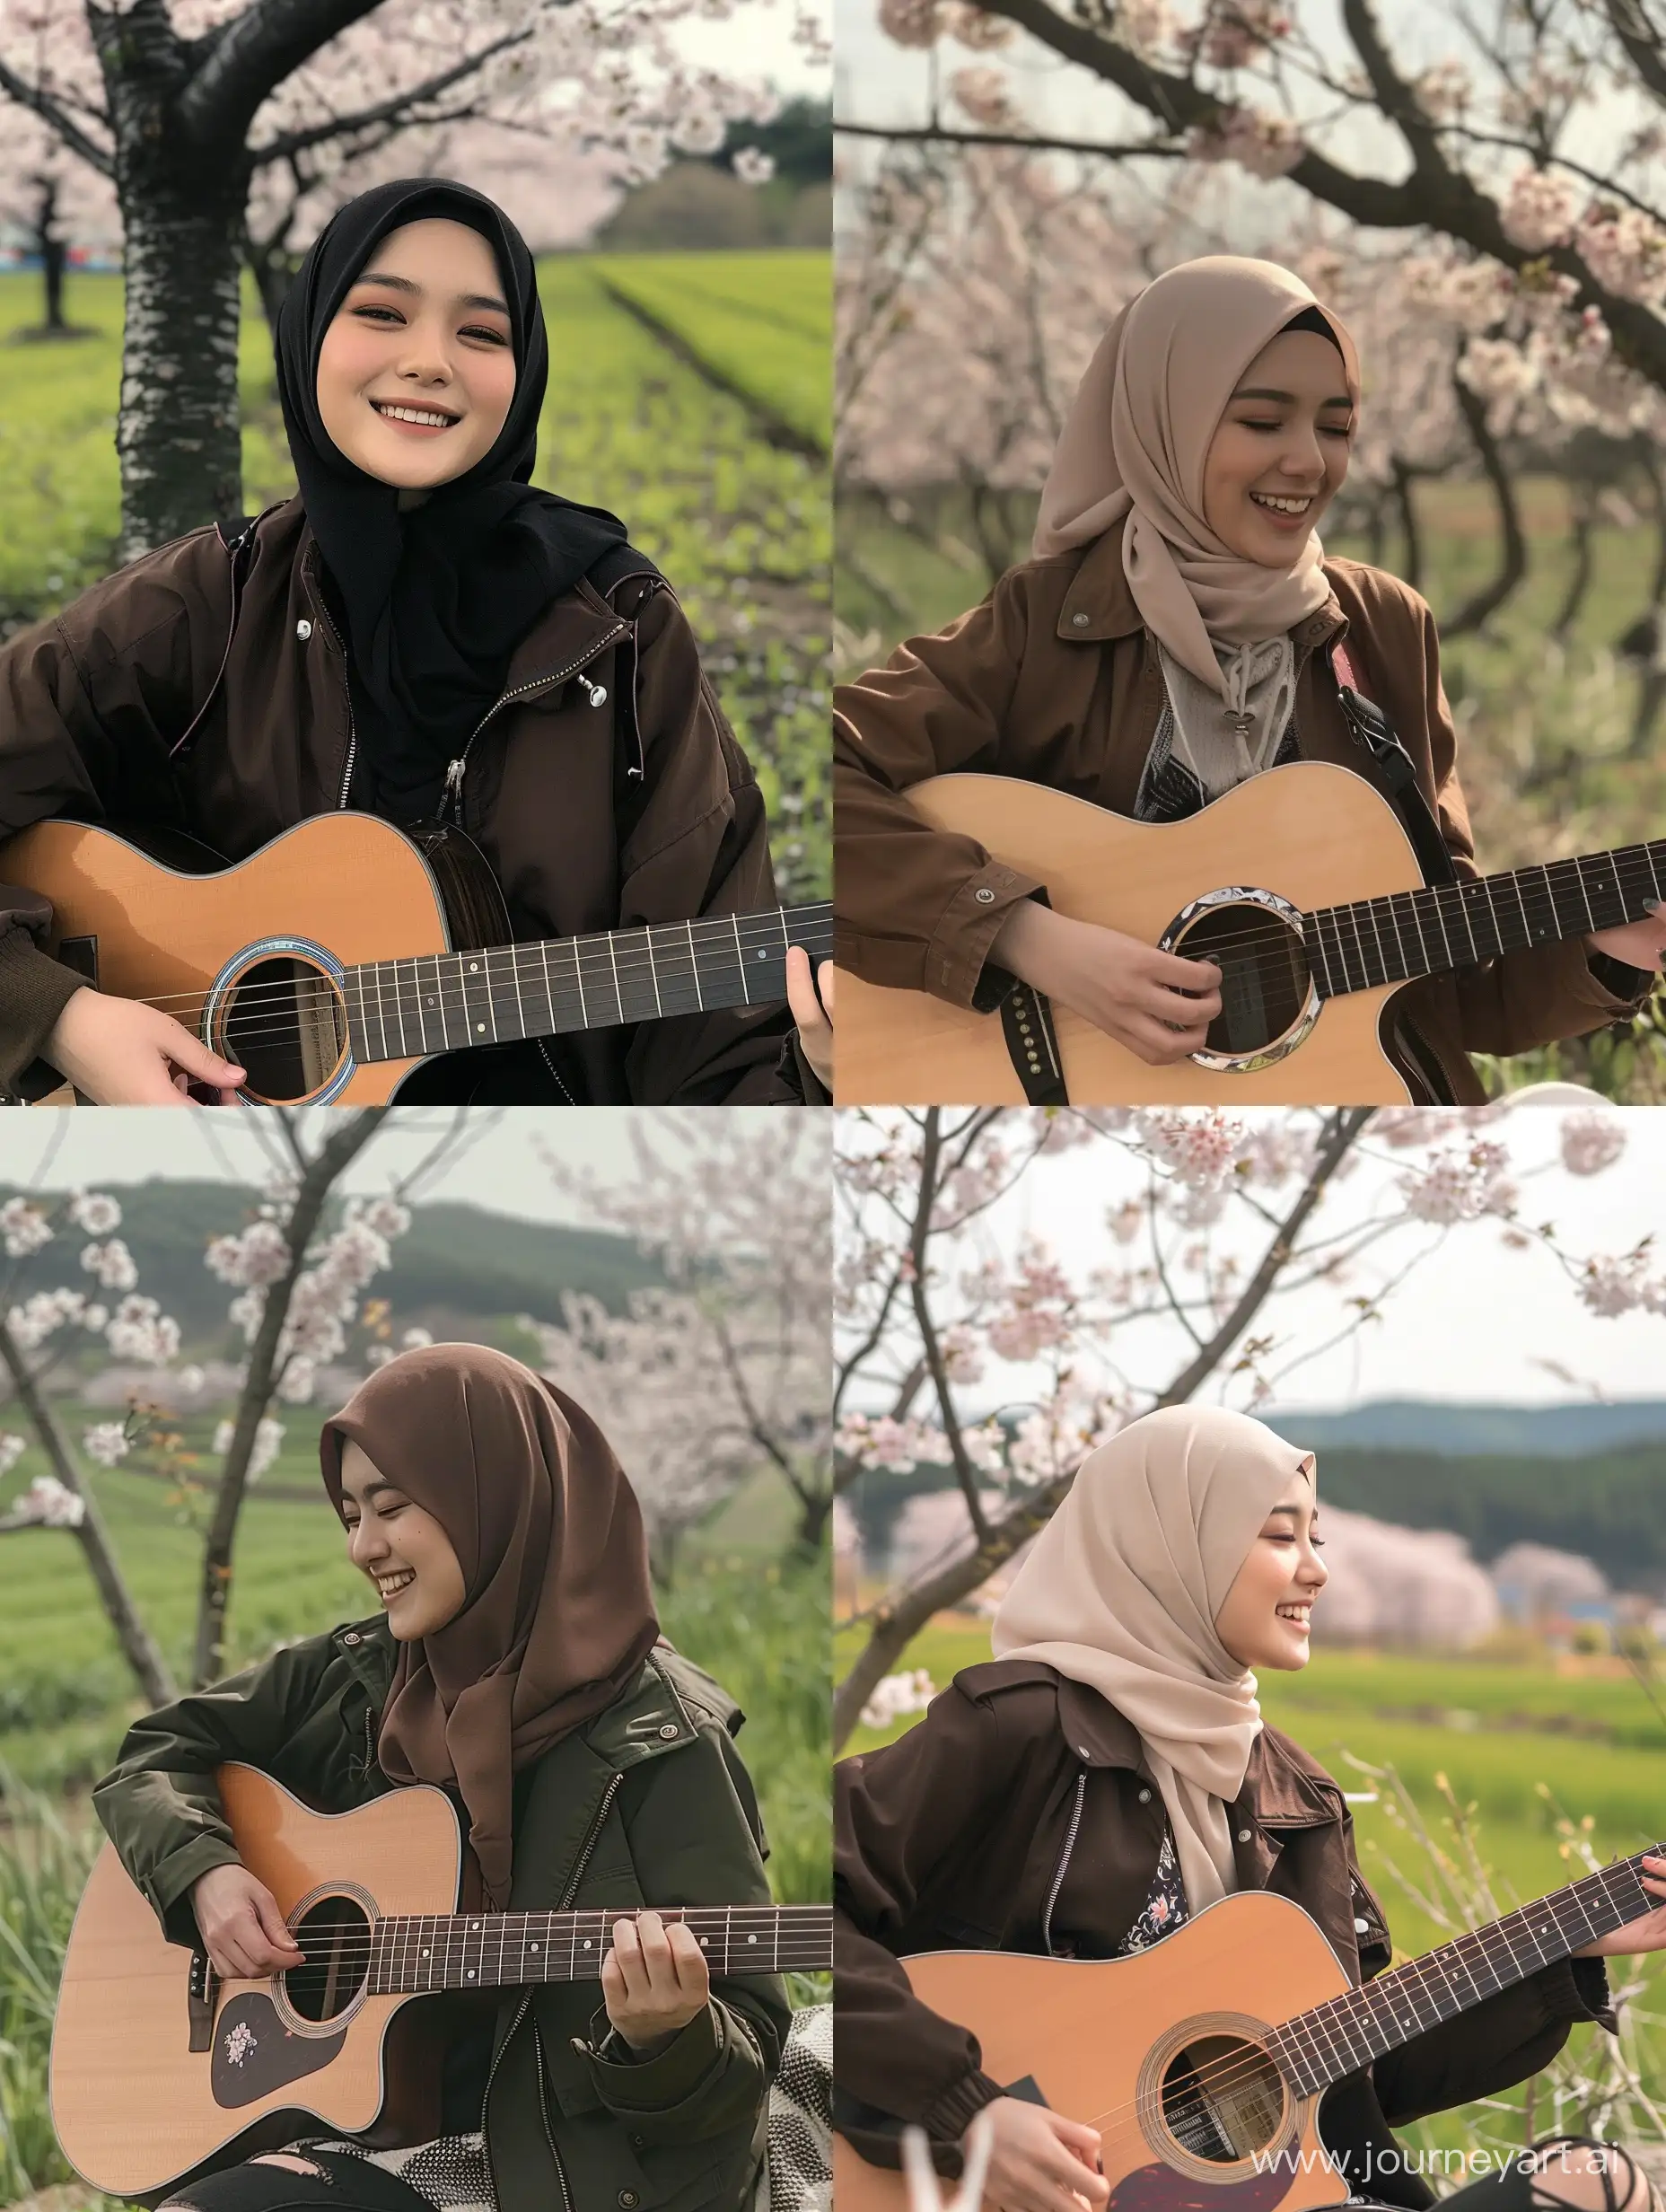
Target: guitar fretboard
1349, 2031
440, 1002
1430, 932
459, 1951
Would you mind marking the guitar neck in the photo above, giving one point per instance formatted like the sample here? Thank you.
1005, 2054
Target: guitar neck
1345, 2033
457, 1950
440, 1002
1430, 932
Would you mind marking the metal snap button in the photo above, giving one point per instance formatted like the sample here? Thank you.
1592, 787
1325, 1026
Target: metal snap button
1080, 621
629, 2200
1144, 1796
304, 630
1244, 1835
984, 895
1362, 1928
669, 1731
352, 1637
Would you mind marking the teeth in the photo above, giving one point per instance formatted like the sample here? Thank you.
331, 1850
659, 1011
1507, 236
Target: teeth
413, 413
1284, 506
1292, 1612
389, 1584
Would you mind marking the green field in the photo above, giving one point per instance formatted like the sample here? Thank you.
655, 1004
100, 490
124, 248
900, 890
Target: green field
1545, 728
741, 527
1496, 1733
742, 1604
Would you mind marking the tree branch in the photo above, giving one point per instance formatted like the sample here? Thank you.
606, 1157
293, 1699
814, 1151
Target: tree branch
138, 1646
250, 58
329, 1163
965, 1474
56, 118
393, 109
936, 133
1512, 558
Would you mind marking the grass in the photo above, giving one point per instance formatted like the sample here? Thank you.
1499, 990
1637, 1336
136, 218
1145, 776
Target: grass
743, 1605
742, 528
1495, 1732
1544, 727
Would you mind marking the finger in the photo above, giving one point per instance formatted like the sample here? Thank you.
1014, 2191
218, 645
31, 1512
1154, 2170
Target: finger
194, 1057
628, 1959
801, 992
275, 1928
1181, 974
824, 984
1181, 1008
656, 1954
1076, 2135
688, 1962
1158, 1045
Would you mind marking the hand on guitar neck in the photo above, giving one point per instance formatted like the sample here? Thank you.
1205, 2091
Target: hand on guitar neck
813, 1014
1640, 945
1647, 1932
1158, 1007
118, 1052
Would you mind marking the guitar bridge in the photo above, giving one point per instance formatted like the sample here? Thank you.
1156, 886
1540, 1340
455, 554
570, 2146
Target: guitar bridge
199, 1997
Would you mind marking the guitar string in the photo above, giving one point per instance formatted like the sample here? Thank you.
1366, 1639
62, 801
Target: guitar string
712, 932
364, 1940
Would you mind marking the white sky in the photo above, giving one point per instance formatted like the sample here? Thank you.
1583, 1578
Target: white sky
501, 1169
1473, 1322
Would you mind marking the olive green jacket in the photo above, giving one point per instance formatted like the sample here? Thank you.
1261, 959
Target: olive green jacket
648, 1803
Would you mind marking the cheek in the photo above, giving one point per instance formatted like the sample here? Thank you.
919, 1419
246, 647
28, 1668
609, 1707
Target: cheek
492, 387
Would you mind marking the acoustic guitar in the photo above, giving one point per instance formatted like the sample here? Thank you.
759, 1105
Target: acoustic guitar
161, 2072
1303, 888
1202, 2060
344, 953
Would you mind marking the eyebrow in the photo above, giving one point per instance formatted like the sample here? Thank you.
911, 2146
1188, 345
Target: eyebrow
403, 284
1284, 398
371, 1489
1273, 1509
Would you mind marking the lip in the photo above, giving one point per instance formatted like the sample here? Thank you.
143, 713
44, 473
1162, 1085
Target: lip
412, 430
1304, 1624
1289, 524
391, 1597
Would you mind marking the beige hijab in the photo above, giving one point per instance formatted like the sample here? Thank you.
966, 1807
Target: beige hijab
1122, 1589
1134, 444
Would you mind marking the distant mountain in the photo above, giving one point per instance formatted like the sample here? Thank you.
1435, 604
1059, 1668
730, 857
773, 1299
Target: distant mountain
455, 1267
1532, 1431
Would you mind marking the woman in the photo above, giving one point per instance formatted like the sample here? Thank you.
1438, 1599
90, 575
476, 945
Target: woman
1110, 1775
519, 1667
418, 632
1172, 634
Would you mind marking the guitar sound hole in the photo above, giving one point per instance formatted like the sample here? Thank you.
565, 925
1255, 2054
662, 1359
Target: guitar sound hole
1264, 974
335, 1934
286, 1027
1223, 2099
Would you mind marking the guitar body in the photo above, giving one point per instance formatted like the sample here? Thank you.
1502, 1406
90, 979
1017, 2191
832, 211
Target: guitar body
1313, 834
137, 2110
1104, 2042
334, 892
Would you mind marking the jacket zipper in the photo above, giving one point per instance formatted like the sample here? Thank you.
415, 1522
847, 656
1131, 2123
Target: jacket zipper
452, 795
574, 1879
1064, 1861
353, 742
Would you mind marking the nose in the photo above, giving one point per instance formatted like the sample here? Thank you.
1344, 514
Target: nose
424, 360
366, 1544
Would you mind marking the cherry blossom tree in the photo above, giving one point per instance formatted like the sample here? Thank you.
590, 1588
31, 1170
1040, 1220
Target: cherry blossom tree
298, 1281
962, 1342
726, 1369
189, 107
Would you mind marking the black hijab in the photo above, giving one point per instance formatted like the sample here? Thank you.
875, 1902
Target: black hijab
436, 597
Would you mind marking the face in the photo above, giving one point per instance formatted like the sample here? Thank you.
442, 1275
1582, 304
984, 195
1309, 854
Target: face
403, 1549
1280, 450
1264, 1621
417, 370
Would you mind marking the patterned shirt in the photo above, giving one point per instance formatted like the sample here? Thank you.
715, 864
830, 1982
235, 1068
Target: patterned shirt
1165, 1908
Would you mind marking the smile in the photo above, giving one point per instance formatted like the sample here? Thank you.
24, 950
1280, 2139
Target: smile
1296, 1613
390, 1585
423, 418
1281, 506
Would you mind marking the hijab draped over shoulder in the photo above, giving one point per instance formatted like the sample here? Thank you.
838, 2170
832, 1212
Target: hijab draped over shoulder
1120, 1592
557, 1612
1133, 448
436, 596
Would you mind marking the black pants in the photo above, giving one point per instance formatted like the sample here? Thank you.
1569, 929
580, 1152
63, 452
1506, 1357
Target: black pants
349, 2184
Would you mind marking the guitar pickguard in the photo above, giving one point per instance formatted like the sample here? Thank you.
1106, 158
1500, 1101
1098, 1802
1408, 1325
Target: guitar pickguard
1160, 2188
254, 2053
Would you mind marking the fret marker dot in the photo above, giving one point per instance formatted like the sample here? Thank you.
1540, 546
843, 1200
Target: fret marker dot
471, 1973
752, 1939
427, 1955
586, 1942
480, 1027
535, 1946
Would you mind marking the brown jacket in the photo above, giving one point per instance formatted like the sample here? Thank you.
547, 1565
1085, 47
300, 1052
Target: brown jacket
1024, 686
1019, 1815
93, 701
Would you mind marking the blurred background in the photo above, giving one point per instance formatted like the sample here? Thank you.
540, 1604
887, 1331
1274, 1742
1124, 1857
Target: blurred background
1461, 1314
671, 166
180, 1310
1480, 197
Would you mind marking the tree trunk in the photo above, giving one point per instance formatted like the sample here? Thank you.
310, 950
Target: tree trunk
813, 1510
318, 1179
1513, 559
1580, 540
182, 199
138, 1646
53, 254
1411, 568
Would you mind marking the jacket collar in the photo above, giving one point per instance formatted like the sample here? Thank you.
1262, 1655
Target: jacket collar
1100, 604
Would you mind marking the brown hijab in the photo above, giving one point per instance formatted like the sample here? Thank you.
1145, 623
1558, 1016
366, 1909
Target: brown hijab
558, 1612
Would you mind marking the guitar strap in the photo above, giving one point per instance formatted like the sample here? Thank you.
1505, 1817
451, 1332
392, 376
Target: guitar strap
1389, 768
